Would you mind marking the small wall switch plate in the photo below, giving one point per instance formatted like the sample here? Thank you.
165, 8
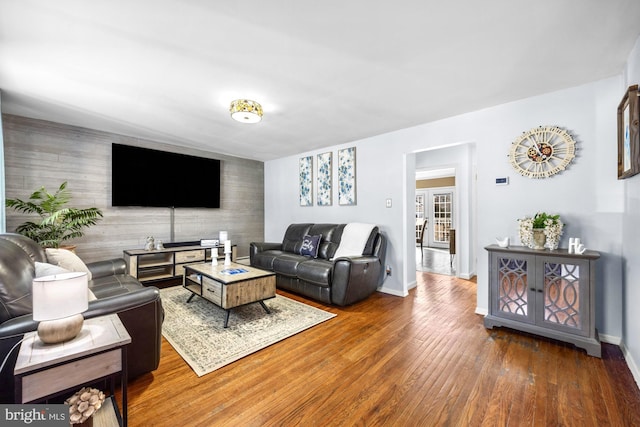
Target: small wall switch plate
502, 181
388, 203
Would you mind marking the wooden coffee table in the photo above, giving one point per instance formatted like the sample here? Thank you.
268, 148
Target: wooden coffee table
230, 286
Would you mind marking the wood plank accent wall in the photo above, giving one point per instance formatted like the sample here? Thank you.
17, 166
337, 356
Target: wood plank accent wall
45, 153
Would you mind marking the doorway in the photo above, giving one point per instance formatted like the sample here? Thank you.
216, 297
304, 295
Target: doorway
455, 163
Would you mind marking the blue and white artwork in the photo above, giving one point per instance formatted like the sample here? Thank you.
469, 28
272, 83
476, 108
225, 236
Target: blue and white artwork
306, 181
324, 196
347, 176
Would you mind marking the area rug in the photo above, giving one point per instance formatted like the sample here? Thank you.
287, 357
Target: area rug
196, 329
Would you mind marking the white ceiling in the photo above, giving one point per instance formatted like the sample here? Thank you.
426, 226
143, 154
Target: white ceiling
326, 72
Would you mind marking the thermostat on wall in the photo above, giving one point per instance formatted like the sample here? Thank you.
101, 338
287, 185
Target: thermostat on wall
502, 181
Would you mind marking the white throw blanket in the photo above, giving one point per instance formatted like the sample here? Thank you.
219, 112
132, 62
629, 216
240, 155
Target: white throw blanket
354, 239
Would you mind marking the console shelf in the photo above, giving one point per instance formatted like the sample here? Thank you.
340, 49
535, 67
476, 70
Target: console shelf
169, 263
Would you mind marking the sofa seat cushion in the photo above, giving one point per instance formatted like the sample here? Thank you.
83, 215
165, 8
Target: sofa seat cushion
264, 260
287, 264
316, 271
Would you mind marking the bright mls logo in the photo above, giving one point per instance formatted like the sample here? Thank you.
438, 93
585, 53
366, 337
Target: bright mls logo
34, 415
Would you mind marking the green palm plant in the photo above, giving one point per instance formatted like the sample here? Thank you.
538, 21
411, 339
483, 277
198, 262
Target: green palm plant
57, 223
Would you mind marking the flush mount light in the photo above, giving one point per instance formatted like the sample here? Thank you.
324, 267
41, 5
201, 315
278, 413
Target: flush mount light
246, 111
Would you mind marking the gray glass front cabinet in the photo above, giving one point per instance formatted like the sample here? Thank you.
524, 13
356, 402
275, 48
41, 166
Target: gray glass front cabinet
547, 293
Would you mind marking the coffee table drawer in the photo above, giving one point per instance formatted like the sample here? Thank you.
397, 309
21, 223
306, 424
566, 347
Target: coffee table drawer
189, 256
212, 290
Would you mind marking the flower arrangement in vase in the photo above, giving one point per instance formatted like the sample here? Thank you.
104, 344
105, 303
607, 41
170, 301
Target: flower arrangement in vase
543, 230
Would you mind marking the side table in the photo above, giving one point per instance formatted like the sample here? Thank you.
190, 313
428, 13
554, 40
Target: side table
99, 352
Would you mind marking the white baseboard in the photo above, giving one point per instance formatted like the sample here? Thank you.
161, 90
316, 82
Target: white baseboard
392, 292
466, 275
611, 339
633, 367
481, 311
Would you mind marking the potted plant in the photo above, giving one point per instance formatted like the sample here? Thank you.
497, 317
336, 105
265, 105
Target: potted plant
57, 222
541, 230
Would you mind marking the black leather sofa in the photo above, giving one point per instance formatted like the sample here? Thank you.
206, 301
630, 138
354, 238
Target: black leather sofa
139, 307
341, 281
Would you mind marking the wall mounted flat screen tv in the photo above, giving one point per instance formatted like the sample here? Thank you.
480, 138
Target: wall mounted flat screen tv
153, 178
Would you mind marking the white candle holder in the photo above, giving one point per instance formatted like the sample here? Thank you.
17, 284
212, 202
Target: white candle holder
227, 252
214, 257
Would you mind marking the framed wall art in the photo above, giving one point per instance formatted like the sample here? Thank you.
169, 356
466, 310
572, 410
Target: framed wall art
628, 134
324, 191
306, 181
347, 176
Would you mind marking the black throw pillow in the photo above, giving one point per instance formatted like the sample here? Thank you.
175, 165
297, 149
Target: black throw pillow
310, 245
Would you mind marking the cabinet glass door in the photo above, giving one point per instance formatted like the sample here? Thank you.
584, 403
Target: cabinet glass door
564, 287
512, 293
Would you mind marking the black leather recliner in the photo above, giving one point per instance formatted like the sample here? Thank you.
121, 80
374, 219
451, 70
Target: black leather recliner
342, 281
139, 307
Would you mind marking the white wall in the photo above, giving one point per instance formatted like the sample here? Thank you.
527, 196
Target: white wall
630, 239
588, 195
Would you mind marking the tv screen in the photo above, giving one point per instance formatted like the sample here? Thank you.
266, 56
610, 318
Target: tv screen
146, 177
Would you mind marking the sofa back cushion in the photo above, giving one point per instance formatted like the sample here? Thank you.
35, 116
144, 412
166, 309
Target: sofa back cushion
330, 241
331, 236
369, 248
16, 279
293, 237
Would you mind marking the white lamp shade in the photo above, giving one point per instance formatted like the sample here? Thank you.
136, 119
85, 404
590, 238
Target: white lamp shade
59, 296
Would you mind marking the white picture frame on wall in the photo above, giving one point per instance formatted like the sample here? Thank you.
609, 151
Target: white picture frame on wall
324, 191
306, 181
347, 176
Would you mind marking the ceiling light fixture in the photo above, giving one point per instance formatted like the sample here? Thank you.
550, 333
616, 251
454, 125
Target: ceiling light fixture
246, 111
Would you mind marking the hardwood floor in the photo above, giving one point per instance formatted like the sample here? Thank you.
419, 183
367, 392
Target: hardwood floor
421, 360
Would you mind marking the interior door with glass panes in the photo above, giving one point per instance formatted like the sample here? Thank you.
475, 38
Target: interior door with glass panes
440, 214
